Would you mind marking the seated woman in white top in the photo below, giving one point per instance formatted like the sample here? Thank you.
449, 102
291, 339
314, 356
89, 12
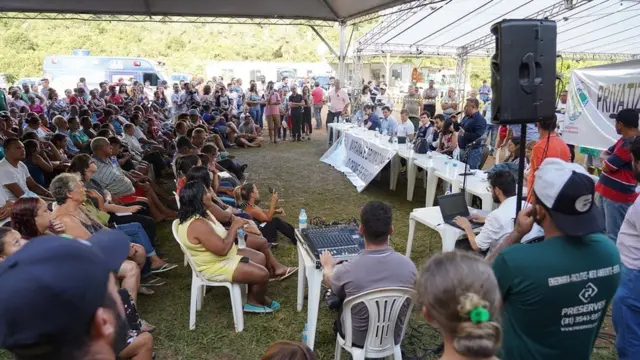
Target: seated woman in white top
214, 252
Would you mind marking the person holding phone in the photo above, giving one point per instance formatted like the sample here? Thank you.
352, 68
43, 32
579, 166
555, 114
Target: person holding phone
270, 225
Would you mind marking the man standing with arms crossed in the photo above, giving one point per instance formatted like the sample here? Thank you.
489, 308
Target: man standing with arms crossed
429, 99
338, 104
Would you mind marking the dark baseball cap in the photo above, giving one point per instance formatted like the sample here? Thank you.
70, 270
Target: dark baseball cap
568, 191
52, 287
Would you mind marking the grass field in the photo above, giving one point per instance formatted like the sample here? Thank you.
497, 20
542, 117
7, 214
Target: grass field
302, 182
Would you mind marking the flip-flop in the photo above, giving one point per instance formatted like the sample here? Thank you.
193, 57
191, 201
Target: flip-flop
255, 309
290, 271
163, 268
275, 306
152, 281
146, 327
145, 291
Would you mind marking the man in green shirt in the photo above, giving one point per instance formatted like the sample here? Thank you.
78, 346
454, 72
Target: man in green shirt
556, 292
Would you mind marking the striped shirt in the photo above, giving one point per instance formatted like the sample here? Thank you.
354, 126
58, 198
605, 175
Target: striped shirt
111, 177
619, 184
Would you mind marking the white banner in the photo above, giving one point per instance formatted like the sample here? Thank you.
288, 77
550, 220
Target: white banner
596, 94
358, 158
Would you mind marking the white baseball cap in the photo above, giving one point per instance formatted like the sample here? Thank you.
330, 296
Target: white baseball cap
567, 190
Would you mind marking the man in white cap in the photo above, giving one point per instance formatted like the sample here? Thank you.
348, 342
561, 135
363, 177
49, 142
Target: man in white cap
556, 293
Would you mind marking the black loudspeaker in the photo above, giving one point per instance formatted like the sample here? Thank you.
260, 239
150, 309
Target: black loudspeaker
523, 71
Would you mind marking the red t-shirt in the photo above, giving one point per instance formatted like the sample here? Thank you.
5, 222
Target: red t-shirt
557, 149
115, 99
619, 184
318, 95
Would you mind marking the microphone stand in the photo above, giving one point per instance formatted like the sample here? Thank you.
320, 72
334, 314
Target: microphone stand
521, 165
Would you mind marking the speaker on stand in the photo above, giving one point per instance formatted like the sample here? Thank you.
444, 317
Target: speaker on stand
523, 75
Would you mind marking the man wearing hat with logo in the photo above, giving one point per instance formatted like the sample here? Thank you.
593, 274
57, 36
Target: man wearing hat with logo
556, 292
60, 300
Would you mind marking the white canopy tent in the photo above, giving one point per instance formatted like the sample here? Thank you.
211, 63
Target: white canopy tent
587, 29
259, 12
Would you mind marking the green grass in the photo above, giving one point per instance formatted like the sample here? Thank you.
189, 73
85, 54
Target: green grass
302, 181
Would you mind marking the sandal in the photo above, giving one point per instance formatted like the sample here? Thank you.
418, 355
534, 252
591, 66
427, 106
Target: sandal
290, 271
145, 291
255, 309
146, 327
163, 268
152, 281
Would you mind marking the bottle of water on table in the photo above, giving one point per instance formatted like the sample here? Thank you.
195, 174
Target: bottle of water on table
446, 167
302, 220
454, 169
241, 239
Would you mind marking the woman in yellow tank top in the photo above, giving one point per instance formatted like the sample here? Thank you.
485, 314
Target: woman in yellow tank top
214, 252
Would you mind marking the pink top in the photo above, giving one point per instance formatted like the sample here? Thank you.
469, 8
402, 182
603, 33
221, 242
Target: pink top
317, 95
272, 109
338, 100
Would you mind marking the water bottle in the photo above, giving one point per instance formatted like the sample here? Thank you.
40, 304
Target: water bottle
446, 167
302, 220
241, 240
454, 169
395, 141
429, 159
305, 337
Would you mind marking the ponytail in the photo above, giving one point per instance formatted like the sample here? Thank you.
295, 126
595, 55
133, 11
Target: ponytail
242, 192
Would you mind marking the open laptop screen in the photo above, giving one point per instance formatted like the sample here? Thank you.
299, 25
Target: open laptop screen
453, 205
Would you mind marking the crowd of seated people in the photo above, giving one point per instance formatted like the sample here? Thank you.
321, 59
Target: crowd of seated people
105, 150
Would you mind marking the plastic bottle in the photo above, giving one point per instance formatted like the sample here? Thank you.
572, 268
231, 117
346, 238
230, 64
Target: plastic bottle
454, 170
305, 337
241, 240
446, 167
302, 220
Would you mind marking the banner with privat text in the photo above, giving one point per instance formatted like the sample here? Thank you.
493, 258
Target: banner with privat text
595, 96
358, 158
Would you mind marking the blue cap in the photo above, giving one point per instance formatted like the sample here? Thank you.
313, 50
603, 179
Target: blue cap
52, 287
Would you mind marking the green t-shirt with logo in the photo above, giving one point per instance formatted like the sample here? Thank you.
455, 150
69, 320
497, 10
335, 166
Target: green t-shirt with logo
556, 294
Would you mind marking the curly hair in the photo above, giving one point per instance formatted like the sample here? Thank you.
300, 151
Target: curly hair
23, 217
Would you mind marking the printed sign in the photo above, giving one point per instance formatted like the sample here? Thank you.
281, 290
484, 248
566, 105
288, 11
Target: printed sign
358, 158
595, 96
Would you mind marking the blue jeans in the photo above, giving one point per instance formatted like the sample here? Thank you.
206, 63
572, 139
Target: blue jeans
317, 114
625, 313
138, 236
255, 115
472, 157
492, 131
614, 213
261, 115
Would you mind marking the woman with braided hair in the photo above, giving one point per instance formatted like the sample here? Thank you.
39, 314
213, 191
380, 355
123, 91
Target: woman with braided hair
458, 293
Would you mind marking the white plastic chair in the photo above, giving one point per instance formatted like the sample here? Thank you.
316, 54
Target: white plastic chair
199, 285
384, 307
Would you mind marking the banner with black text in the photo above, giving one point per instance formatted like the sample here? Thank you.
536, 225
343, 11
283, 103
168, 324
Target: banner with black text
595, 96
358, 158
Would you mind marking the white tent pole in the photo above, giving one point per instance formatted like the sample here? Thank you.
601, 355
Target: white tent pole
388, 68
342, 52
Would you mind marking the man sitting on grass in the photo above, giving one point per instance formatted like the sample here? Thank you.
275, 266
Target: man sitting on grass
247, 136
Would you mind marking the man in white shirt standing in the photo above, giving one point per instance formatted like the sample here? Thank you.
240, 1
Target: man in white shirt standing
14, 174
338, 103
499, 222
383, 99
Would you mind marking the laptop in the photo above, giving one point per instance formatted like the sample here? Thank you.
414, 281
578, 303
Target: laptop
454, 205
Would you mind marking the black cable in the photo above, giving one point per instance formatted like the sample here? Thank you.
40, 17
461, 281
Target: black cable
417, 22
598, 39
597, 30
595, 13
453, 22
491, 21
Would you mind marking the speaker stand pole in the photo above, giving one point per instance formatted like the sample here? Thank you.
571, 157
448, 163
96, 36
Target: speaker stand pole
521, 165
